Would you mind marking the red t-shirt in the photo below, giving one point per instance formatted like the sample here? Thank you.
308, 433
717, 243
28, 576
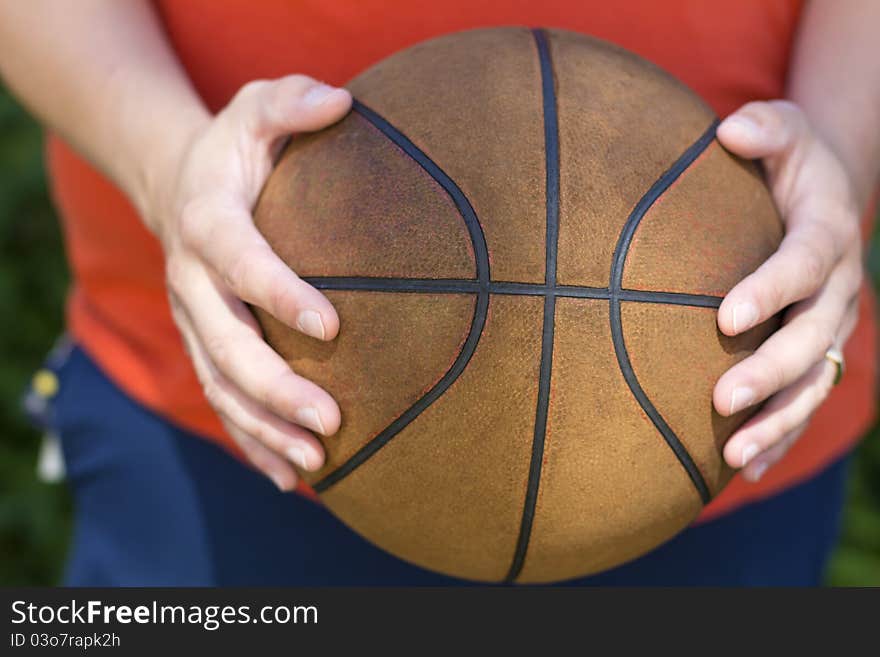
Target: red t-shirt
730, 53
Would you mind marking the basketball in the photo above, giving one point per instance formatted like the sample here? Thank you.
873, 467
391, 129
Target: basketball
527, 235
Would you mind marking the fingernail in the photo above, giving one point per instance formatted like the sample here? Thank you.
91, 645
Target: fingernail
755, 473
749, 452
744, 316
297, 456
740, 398
308, 417
318, 94
309, 322
745, 125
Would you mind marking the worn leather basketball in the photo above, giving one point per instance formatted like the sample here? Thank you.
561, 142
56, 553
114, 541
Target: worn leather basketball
526, 235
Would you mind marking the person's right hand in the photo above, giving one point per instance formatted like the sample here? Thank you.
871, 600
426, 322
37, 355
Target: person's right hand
216, 260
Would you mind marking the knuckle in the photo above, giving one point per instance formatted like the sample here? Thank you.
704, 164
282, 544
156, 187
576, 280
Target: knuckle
235, 273
280, 297
212, 393
282, 389
242, 271
265, 101
773, 371
773, 294
787, 115
251, 90
175, 275
825, 235
249, 426
193, 225
771, 121
776, 375
854, 275
812, 264
775, 429
301, 79
248, 107
754, 106
787, 109
240, 437
239, 272
260, 432
219, 348
295, 84
823, 336
275, 299
759, 372
790, 419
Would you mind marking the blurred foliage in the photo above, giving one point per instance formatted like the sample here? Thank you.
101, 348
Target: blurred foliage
35, 517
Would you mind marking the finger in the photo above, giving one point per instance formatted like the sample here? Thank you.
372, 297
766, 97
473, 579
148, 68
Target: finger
758, 466
781, 414
763, 129
280, 435
296, 103
262, 457
285, 440
812, 327
804, 261
232, 341
811, 190
226, 238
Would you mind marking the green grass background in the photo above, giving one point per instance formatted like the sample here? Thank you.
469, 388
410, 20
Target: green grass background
35, 517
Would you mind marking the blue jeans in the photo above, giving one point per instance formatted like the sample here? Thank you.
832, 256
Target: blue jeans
156, 505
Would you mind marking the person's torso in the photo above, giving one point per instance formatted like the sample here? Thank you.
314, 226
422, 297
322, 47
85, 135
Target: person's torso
729, 53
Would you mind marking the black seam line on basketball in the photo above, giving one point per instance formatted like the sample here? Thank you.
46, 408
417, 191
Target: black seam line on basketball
411, 413
670, 298
470, 286
617, 265
551, 149
465, 209
481, 306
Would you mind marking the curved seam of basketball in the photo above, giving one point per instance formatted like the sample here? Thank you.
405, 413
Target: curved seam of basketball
551, 164
481, 258
617, 265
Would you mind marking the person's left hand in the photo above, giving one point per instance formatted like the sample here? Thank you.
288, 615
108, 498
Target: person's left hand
814, 278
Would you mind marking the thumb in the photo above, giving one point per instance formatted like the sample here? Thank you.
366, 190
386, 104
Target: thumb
296, 103
764, 129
